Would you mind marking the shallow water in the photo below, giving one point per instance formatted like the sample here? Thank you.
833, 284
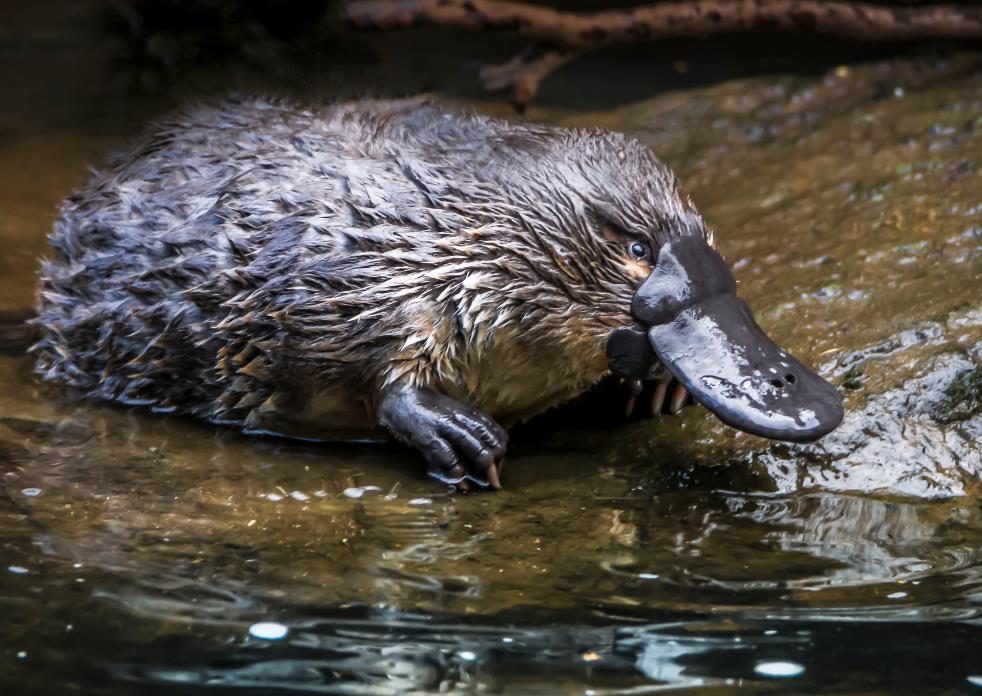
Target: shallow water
144, 551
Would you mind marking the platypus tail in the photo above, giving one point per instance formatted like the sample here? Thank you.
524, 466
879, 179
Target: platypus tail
16, 332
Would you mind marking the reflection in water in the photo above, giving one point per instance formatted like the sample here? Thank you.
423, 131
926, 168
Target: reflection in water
217, 560
145, 551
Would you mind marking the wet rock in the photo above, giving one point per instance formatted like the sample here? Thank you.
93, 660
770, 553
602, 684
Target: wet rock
919, 439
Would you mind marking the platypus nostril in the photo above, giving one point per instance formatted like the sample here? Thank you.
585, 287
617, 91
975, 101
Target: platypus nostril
777, 383
789, 379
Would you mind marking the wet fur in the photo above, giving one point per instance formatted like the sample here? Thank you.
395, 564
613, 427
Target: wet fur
262, 263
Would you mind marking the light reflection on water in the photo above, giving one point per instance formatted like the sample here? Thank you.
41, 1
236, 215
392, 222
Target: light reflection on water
164, 557
149, 551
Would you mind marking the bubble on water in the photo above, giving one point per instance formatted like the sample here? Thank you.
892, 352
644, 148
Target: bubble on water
781, 669
31, 492
18, 570
297, 495
467, 655
275, 497
22, 655
896, 595
647, 576
268, 630
420, 501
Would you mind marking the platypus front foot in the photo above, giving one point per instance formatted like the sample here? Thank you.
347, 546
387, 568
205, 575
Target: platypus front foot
651, 398
460, 444
651, 390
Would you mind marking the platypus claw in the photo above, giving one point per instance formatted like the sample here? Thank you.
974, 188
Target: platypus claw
658, 397
632, 358
679, 397
667, 396
462, 446
634, 388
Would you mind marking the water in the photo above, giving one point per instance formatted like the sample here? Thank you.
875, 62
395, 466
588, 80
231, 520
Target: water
150, 552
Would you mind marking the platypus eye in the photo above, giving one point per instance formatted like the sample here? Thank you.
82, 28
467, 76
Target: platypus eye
639, 250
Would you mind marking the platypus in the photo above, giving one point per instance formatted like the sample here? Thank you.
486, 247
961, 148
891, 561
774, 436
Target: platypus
356, 268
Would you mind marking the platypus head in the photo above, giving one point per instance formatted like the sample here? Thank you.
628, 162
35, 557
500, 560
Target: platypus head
691, 321
618, 224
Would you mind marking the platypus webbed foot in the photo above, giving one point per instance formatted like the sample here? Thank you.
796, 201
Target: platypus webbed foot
460, 444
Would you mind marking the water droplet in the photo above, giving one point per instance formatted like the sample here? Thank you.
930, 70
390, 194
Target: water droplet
19, 570
31, 492
22, 655
297, 495
268, 630
507, 640
420, 501
275, 497
975, 680
647, 576
467, 655
780, 669
896, 595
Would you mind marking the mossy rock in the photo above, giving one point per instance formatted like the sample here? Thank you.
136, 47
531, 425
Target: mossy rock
963, 397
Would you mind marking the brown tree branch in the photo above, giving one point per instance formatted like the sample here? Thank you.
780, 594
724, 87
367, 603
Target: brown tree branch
559, 36
524, 72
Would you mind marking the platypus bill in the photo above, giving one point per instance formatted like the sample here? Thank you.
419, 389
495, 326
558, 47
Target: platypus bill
392, 265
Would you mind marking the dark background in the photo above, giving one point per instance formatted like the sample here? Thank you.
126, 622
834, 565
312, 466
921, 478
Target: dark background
106, 63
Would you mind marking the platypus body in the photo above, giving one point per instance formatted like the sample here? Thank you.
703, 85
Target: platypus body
389, 265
